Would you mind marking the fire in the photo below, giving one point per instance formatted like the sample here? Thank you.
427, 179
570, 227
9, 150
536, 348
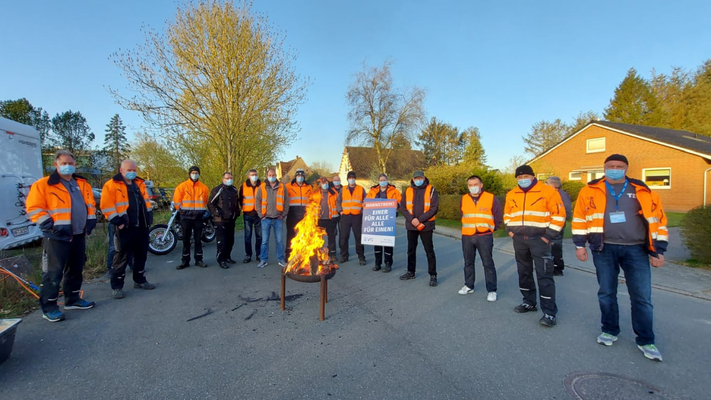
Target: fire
307, 246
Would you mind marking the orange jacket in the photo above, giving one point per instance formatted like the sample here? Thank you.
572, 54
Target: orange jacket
351, 204
332, 198
390, 193
191, 198
479, 217
537, 212
589, 216
114, 199
49, 205
298, 195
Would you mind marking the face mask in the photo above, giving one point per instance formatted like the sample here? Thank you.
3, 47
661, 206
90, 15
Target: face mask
299, 179
474, 189
383, 183
419, 182
130, 176
524, 183
337, 183
66, 169
324, 186
194, 176
271, 179
351, 181
615, 174
253, 178
228, 182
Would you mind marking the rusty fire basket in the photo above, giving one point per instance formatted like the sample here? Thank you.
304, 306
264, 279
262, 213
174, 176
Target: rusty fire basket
323, 279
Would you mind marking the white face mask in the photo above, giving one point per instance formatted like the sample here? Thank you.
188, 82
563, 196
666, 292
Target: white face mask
194, 176
253, 178
474, 189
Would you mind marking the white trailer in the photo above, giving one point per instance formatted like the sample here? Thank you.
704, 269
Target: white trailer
20, 167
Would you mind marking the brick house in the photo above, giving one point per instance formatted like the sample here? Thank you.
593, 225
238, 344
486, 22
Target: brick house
674, 163
286, 170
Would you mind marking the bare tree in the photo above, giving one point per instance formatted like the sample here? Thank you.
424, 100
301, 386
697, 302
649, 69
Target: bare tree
382, 116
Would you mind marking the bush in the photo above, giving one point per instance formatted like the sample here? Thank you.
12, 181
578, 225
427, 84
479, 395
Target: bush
449, 207
696, 231
453, 179
572, 188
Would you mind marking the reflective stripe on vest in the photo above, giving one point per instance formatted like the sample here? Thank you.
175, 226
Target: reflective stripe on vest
299, 195
477, 217
409, 196
352, 205
248, 201
279, 199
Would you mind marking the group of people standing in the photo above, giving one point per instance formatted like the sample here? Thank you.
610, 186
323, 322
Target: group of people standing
620, 218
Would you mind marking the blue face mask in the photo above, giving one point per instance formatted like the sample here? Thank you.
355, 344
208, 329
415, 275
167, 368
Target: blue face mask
271, 179
337, 183
351, 181
66, 169
615, 174
524, 183
419, 182
253, 178
324, 186
383, 183
229, 182
130, 176
299, 179
195, 177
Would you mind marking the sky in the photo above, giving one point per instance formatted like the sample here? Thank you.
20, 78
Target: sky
498, 65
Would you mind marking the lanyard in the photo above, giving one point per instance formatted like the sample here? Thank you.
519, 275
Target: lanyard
617, 197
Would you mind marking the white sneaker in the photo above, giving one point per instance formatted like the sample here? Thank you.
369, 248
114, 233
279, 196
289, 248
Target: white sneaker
262, 264
465, 290
491, 296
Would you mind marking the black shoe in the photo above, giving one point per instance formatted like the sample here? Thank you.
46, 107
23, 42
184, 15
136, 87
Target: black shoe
144, 285
223, 264
200, 264
183, 265
547, 320
557, 272
524, 308
343, 259
388, 267
433, 281
231, 261
407, 275
248, 259
376, 268
361, 261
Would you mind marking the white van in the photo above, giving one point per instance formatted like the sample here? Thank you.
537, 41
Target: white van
20, 167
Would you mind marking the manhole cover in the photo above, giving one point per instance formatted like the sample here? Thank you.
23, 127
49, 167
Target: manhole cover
602, 386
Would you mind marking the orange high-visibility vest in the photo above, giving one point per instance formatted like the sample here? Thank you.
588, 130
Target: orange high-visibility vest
191, 196
249, 199
114, 197
299, 195
279, 198
409, 196
332, 210
477, 218
352, 204
390, 193
52, 200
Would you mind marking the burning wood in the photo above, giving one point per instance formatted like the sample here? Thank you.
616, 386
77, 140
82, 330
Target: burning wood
308, 256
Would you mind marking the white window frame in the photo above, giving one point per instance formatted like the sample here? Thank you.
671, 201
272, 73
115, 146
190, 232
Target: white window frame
544, 176
579, 178
644, 178
587, 145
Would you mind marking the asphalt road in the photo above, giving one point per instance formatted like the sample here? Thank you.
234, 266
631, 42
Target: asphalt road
382, 339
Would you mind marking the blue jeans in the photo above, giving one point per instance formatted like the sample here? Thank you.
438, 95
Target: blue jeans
634, 261
278, 225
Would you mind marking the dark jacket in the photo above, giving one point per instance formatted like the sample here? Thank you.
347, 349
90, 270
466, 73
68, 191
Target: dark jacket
224, 203
418, 206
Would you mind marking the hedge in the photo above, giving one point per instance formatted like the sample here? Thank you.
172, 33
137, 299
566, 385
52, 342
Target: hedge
696, 231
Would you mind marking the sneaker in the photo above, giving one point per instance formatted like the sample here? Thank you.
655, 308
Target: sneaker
223, 264
117, 294
262, 264
407, 275
80, 304
524, 308
650, 351
547, 320
377, 268
231, 261
433, 281
144, 285
465, 290
282, 264
54, 316
247, 259
342, 260
200, 264
183, 265
387, 268
361, 261
606, 339
557, 272
491, 296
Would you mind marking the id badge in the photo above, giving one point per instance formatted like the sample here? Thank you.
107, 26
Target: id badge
617, 217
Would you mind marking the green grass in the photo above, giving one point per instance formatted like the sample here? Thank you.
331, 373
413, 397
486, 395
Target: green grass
695, 264
674, 219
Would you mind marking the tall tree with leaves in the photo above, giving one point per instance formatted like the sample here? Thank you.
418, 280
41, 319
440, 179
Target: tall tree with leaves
699, 99
635, 103
22, 111
156, 162
382, 116
116, 147
72, 133
441, 143
544, 135
474, 154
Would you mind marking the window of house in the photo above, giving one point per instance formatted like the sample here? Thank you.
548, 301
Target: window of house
596, 145
657, 178
575, 176
543, 177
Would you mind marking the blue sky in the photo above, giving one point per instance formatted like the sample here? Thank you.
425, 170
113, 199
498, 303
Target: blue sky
497, 65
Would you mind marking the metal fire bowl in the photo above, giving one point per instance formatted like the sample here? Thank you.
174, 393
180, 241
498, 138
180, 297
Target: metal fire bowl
310, 278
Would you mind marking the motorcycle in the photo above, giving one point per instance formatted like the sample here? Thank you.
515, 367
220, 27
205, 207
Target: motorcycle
162, 238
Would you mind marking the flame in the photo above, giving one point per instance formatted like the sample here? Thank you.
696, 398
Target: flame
308, 244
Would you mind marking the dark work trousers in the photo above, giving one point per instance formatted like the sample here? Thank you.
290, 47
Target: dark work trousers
192, 227
225, 232
530, 251
485, 245
61, 259
355, 223
295, 215
252, 223
426, 237
557, 251
379, 255
337, 223
129, 242
330, 227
